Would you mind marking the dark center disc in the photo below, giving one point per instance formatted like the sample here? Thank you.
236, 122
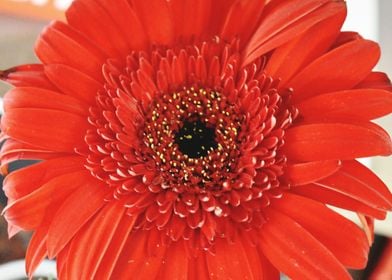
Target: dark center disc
195, 139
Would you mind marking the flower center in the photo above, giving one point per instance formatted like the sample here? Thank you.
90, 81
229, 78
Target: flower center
195, 138
192, 136
191, 140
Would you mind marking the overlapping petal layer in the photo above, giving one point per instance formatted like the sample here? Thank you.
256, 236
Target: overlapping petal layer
124, 85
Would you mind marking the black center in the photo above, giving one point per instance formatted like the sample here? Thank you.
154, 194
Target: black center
195, 139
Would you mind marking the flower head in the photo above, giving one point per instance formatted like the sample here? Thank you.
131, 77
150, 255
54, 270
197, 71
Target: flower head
197, 140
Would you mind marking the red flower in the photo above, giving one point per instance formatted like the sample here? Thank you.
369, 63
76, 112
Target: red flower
197, 140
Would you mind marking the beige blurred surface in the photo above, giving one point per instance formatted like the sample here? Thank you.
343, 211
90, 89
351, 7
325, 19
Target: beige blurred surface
17, 39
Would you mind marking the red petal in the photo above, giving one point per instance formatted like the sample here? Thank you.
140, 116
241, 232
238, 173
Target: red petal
334, 141
269, 271
230, 260
73, 82
178, 256
156, 19
346, 37
74, 213
29, 97
116, 247
217, 17
89, 245
288, 59
351, 186
13, 150
36, 252
368, 227
24, 181
135, 260
127, 22
341, 236
249, 12
47, 129
295, 252
359, 104
62, 263
367, 177
197, 268
305, 173
60, 44
39, 206
340, 69
96, 24
338, 199
27, 75
377, 80
192, 18
286, 21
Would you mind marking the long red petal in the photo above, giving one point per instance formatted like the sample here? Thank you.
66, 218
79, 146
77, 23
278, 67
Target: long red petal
29, 75
349, 185
230, 260
249, 12
269, 271
156, 19
192, 18
70, 218
367, 177
116, 247
135, 260
341, 236
305, 173
295, 252
53, 130
197, 268
60, 44
13, 150
338, 199
358, 104
334, 141
72, 82
178, 255
24, 181
62, 263
340, 69
95, 23
30, 211
290, 58
368, 226
30, 97
286, 21
376, 80
90, 244
36, 251
127, 22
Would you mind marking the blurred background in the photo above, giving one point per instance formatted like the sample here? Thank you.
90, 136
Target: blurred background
21, 22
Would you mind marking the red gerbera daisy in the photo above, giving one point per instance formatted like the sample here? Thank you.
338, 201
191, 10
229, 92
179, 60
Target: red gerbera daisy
197, 139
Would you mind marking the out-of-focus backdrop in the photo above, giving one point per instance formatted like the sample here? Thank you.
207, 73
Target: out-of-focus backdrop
21, 21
